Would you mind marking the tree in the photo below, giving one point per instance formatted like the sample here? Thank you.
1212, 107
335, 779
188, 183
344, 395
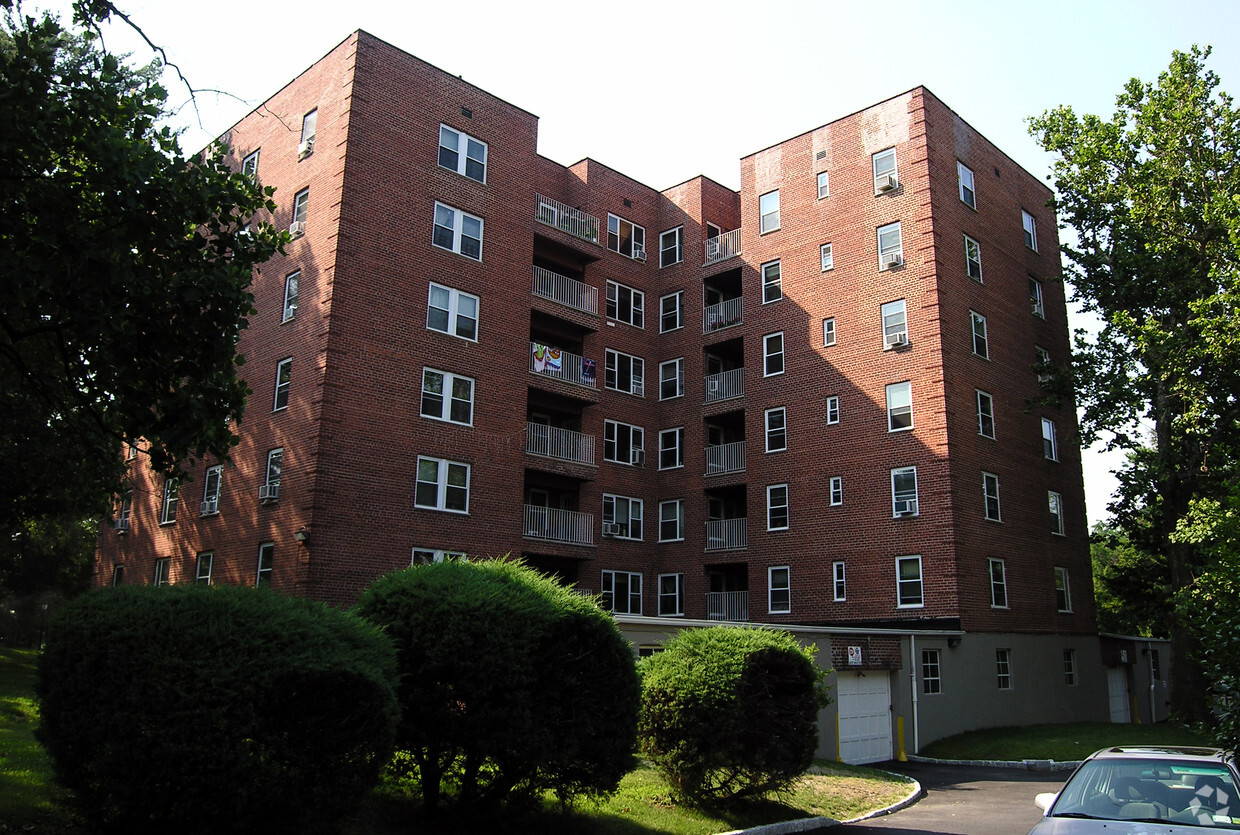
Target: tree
127, 270
1151, 196
1131, 587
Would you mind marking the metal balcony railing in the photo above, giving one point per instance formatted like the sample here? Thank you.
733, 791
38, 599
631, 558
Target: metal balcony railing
561, 444
557, 525
566, 291
562, 365
566, 218
725, 385
722, 315
727, 245
725, 458
727, 605
727, 534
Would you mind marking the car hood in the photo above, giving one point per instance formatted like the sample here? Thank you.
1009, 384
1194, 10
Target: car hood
1081, 826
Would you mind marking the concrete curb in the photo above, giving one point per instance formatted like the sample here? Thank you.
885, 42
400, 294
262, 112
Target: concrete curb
1031, 765
808, 824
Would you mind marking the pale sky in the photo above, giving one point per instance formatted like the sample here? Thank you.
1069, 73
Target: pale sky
664, 91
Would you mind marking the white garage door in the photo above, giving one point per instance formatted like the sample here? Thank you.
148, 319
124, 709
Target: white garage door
864, 704
1117, 690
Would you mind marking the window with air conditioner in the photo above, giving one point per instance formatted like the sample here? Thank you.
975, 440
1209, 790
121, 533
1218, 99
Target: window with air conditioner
292, 283
623, 443
301, 208
1035, 298
309, 125
624, 515
904, 491
269, 491
886, 177
624, 372
890, 246
895, 324
211, 490
626, 238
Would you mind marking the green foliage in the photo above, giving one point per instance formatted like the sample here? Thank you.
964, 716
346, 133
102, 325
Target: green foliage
199, 709
1212, 605
729, 714
126, 278
511, 684
1131, 587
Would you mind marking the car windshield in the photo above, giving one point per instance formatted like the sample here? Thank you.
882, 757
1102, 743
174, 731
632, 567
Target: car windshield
1175, 791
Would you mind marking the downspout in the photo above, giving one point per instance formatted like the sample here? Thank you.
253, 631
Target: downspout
1149, 662
912, 676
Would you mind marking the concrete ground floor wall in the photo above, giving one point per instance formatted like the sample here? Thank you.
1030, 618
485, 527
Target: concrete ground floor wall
894, 692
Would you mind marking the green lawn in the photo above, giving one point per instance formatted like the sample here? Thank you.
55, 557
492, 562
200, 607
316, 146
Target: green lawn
1065, 743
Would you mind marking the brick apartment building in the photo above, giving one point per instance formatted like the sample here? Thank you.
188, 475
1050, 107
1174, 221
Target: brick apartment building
806, 403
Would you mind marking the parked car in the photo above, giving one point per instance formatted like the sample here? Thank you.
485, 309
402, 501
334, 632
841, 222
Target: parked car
1125, 790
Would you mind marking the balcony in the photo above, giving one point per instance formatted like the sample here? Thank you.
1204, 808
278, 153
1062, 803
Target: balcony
727, 605
561, 444
727, 534
567, 219
562, 365
725, 458
725, 385
566, 291
722, 315
727, 245
555, 525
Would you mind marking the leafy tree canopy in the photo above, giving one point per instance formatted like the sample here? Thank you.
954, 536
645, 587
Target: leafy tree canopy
127, 273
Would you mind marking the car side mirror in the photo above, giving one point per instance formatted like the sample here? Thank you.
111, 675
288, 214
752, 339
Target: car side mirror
1045, 800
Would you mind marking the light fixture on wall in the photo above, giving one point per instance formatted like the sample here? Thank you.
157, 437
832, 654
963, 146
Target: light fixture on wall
953, 642
302, 535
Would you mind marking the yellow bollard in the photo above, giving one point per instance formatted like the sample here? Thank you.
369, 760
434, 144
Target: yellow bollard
900, 755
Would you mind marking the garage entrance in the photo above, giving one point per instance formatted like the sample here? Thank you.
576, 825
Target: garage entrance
864, 705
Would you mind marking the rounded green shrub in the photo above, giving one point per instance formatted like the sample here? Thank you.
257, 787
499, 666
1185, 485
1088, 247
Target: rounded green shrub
729, 713
511, 684
212, 709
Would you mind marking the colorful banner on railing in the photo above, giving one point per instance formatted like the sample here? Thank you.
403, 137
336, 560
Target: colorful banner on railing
547, 360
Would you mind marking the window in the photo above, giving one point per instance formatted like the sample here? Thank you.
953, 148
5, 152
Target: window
168, 506
837, 490
998, 584
779, 585
271, 476
990, 492
202, 571
1042, 364
672, 378
624, 372
1031, 230
1055, 502
457, 231
447, 396
472, 163
828, 260
428, 556
841, 587
973, 258
776, 430
1003, 668
291, 282
1069, 667
772, 288
163, 571
890, 246
773, 354
768, 209
672, 448
284, 381
626, 238
442, 485
1035, 298
899, 407
671, 595
211, 490
1155, 666
118, 575
266, 556
671, 312
309, 124
985, 414
965, 175
908, 583
671, 247
828, 332
904, 491
1050, 449
249, 165
885, 176
125, 511
895, 324
978, 323
777, 507
931, 672
623, 515
622, 443
824, 184
833, 409
301, 207
624, 304
672, 521
622, 592
452, 312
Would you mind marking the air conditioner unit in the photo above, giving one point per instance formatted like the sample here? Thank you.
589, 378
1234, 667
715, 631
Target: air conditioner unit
610, 529
906, 508
121, 526
712, 386
306, 148
269, 493
885, 182
896, 340
639, 254
297, 227
891, 259
638, 457
209, 507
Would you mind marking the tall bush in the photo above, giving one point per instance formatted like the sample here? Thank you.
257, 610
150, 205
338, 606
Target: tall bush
728, 713
511, 684
195, 709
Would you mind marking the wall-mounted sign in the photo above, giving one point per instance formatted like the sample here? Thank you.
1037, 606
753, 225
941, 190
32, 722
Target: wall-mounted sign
854, 656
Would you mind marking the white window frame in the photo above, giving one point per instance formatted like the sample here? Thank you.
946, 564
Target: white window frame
768, 212
472, 146
163, 572
447, 396
772, 282
453, 315
1030, 226
917, 601
266, 563
676, 508
903, 498
205, 560
776, 422
676, 314
1042, 357
964, 176
212, 482
274, 468
978, 335
633, 516
829, 335
1050, 444
833, 409
835, 488
1069, 667
454, 221
777, 505
292, 283
444, 470
671, 242
636, 437
895, 324
168, 503
309, 127
779, 590
997, 577
768, 355
894, 244
632, 589
881, 168
671, 601
824, 184
635, 384
1036, 299
672, 448
1003, 669
429, 556
636, 243
301, 208
249, 165
828, 258
284, 384
931, 672
626, 304
899, 405
839, 581
991, 496
985, 413
1054, 501
672, 372
973, 259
